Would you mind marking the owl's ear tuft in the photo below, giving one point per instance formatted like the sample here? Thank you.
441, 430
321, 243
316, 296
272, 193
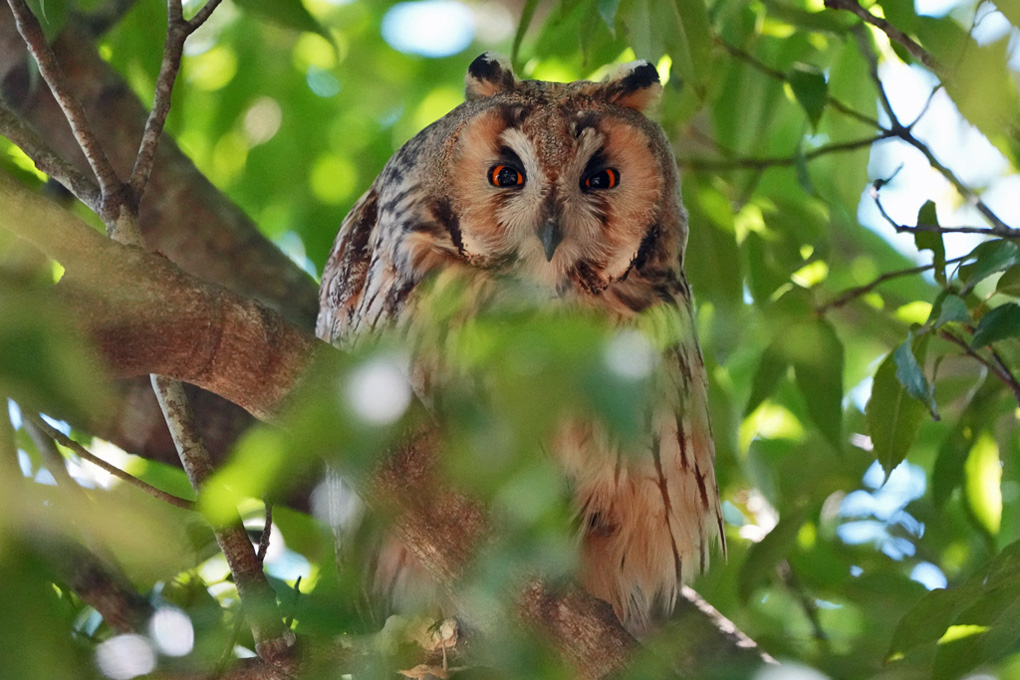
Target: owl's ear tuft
634, 85
489, 74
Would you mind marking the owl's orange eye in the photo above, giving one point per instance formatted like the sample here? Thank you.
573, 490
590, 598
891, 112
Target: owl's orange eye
603, 179
505, 176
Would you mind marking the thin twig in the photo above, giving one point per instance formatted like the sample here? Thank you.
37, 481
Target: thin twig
782, 161
854, 293
895, 34
1006, 374
905, 133
49, 68
48, 161
267, 529
177, 31
272, 641
831, 101
85, 454
1002, 231
1000, 372
52, 459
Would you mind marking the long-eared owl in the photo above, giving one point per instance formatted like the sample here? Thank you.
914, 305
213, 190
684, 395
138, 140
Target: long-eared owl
569, 187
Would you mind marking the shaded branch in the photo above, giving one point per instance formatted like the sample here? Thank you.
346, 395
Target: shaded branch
177, 31
83, 453
895, 34
145, 315
273, 642
765, 163
47, 160
854, 293
1001, 230
830, 101
49, 68
1000, 372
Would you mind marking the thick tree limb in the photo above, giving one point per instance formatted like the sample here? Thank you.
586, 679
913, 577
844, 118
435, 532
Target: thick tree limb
147, 316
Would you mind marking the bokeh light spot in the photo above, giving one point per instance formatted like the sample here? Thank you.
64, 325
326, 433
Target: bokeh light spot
629, 355
377, 391
125, 657
171, 630
431, 28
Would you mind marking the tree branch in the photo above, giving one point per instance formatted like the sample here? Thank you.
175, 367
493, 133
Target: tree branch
831, 101
895, 34
273, 642
1000, 372
765, 163
83, 188
1001, 229
49, 68
146, 315
854, 293
177, 31
83, 453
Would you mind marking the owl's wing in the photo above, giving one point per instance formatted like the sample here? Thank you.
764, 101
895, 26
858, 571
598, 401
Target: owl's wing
650, 510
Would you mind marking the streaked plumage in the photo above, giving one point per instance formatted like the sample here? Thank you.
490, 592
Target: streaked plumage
570, 188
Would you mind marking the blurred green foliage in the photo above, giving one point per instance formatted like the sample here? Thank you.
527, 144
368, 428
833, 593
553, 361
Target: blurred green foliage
825, 379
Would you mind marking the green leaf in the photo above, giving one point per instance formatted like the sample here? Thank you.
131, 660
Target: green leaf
993, 638
932, 240
771, 368
760, 564
52, 15
893, 416
1009, 282
816, 353
947, 474
678, 27
810, 89
989, 258
982, 484
1000, 323
951, 308
288, 13
607, 10
910, 375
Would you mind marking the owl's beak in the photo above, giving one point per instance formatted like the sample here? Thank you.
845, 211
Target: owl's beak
551, 236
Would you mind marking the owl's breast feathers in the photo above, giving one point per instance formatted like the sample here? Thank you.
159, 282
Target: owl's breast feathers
649, 508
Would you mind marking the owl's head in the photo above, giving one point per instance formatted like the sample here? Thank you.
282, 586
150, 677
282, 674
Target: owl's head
567, 185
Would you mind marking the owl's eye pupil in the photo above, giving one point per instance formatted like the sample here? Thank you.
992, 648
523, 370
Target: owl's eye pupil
603, 179
505, 176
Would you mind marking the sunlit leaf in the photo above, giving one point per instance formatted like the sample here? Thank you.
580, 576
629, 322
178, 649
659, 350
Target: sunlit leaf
810, 89
893, 416
931, 240
947, 473
985, 631
998, 324
982, 484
